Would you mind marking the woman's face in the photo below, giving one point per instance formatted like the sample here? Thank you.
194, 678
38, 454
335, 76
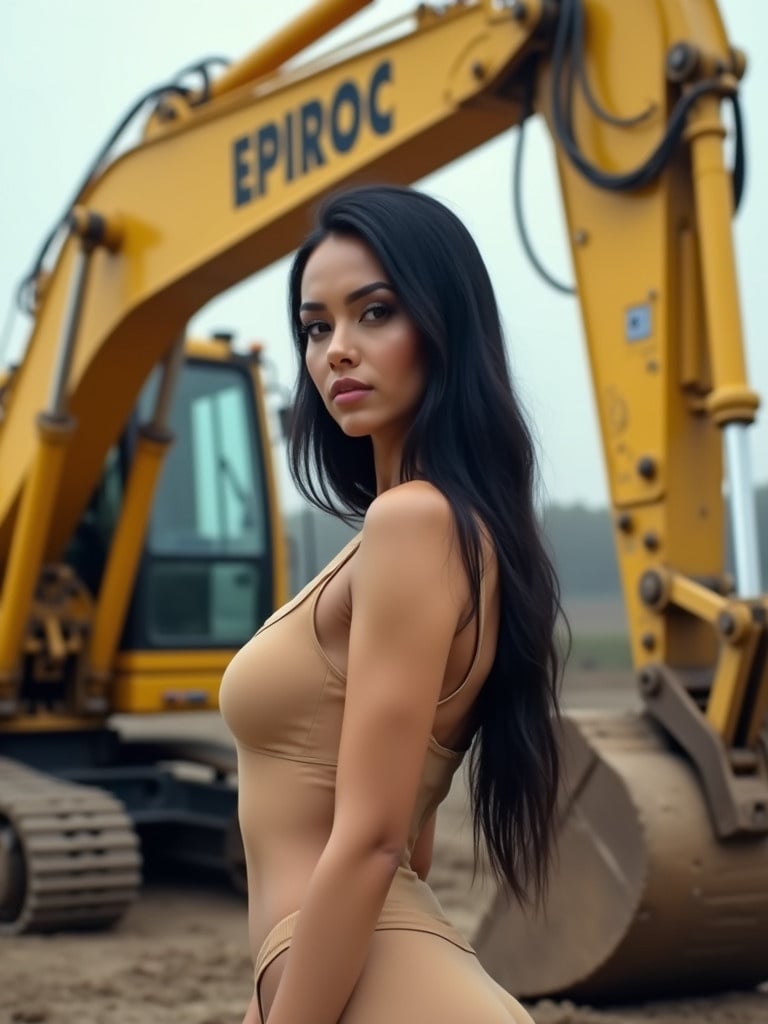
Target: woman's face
362, 352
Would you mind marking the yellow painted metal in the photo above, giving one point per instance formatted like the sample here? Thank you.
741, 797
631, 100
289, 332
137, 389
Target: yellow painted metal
694, 357
736, 649
214, 350
26, 553
145, 693
124, 554
45, 721
730, 399
303, 30
278, 545
146, 682
707, 605
726, 698
758, 712
653, 392
175, 662
737, 646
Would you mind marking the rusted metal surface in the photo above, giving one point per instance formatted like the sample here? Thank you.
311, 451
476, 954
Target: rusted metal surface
643, 899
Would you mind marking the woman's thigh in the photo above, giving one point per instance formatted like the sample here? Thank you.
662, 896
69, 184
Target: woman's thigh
419, 978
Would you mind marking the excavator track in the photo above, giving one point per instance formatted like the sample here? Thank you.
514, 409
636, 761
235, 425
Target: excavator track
69, 856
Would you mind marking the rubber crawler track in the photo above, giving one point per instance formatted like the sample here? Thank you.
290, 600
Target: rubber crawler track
69, 856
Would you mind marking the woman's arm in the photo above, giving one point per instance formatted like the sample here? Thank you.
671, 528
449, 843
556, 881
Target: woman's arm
421, 856
408, 592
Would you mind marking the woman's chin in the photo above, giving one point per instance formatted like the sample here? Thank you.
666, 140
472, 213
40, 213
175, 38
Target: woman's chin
354, 424
355, 429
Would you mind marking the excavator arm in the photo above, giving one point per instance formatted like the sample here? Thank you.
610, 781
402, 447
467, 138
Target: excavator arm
222, 185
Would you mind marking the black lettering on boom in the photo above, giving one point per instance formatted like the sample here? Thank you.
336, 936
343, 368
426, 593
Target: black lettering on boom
306, 138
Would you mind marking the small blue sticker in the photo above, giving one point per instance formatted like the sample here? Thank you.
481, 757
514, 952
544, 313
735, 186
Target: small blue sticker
637, 323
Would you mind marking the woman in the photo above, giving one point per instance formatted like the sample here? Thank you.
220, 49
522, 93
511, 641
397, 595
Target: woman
432, 630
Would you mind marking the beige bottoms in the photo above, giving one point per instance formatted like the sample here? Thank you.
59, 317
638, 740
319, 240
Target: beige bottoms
419, 969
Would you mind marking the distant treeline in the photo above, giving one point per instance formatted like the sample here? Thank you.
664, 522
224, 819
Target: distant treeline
582, 544
581, 541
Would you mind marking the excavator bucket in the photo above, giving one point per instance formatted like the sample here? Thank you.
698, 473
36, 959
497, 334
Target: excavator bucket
643, 897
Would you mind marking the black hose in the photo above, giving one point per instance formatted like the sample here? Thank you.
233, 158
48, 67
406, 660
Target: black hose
24, 292
568, 69
566, 60
517, 201
583, 78
739, 156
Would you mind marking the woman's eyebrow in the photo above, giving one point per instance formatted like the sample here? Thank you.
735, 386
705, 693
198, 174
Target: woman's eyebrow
366, 289
358, 293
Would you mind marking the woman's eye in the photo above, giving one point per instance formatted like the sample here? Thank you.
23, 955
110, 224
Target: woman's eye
376, 311
314, 328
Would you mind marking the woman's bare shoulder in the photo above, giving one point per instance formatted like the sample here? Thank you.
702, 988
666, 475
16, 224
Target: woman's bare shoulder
410, 536
419, 504
415, 506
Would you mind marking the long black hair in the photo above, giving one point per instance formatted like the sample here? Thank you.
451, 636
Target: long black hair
470, 440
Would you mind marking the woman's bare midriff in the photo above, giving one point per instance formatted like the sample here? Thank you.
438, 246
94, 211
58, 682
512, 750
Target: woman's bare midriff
289, 872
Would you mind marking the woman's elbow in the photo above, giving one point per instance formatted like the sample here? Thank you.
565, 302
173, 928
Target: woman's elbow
387, 853
391, 854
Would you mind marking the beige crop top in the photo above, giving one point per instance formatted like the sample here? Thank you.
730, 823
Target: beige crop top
283, 700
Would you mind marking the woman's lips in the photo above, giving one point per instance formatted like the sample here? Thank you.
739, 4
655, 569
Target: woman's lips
347, 390
348, 397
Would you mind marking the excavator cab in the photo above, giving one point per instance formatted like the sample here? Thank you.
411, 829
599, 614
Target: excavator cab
205, 579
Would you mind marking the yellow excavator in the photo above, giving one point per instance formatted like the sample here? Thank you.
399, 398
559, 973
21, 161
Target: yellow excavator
120, 594
165, 571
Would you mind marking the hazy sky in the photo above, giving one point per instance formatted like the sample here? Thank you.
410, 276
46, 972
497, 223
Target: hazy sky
70, 69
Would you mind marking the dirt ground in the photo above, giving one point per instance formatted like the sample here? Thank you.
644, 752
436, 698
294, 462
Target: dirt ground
180, 955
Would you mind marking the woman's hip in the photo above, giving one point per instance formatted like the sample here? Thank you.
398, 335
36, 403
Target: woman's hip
417, 963
410, 906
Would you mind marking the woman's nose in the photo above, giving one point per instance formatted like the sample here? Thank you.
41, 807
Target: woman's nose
342, 349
